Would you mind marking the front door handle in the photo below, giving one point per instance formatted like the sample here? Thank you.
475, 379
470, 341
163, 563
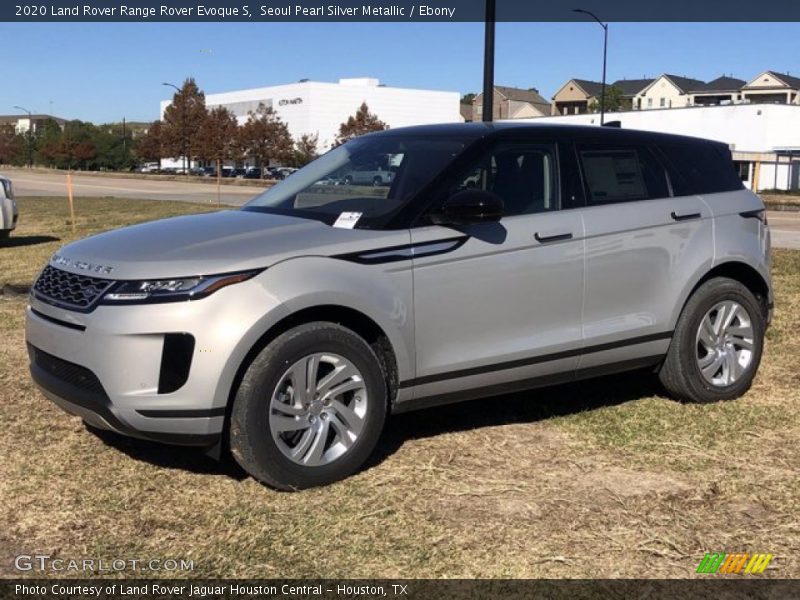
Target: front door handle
557, 237
684, 216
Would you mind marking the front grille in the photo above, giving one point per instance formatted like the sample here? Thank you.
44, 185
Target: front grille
66, 372
69, 289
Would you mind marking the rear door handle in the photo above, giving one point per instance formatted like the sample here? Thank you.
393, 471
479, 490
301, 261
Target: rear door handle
557, 237
684, 216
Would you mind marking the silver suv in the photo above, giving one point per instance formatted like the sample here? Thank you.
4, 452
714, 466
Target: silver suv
501, 257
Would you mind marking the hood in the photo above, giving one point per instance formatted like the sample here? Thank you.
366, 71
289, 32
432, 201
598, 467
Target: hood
212, 243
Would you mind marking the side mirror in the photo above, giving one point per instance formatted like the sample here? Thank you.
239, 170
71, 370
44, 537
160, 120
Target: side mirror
469, 206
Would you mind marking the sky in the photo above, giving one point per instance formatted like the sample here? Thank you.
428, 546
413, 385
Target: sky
105, 72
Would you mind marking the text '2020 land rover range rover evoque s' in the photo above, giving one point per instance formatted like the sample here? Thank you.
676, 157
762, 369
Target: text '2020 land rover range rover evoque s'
500, 257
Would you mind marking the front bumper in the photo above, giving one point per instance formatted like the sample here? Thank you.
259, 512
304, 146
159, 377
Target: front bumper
111, 366
77, 397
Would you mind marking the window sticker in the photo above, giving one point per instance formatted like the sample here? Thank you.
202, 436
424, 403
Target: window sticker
347, 220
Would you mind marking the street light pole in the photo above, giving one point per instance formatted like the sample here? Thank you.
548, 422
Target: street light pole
183, 126
29, 135
488, 63
605, 55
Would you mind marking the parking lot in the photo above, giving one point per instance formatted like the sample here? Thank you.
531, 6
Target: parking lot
604, 478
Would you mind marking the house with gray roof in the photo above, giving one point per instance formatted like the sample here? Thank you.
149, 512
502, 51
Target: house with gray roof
771, 87
720, 91
578, 95
667, 91
513, 103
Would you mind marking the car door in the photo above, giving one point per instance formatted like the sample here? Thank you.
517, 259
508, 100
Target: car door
640, 244
498, 305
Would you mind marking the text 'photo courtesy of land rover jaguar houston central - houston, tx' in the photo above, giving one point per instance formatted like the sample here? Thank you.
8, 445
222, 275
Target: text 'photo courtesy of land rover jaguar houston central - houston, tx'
496, 257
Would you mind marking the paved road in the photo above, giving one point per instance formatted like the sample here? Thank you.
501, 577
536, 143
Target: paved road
785, 225
785, 228
54, 184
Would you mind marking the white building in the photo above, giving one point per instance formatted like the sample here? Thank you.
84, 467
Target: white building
318, 108
764, 138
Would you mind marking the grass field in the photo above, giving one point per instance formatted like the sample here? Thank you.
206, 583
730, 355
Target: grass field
604, 478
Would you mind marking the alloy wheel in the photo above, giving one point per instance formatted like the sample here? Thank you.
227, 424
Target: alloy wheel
725, 343
317, 410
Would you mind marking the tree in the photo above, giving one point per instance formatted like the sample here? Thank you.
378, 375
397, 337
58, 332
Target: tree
468, 98
113, 143
183, 119
12, 145
359, 124
615, 101
76, 146
265, 137
217, 138
305, 149
150, 145
46, 141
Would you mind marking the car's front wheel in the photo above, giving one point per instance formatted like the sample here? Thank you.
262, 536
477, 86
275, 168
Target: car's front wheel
309, 409
717, 345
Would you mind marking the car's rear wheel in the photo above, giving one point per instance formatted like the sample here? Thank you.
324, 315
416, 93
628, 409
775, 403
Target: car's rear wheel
377, 181
717, 345
310, 408
348, 180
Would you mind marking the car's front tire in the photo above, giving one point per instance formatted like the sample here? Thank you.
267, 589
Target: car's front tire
310, 408
717, 344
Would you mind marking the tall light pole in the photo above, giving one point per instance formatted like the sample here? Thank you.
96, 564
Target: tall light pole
29, 135
605, 54
488, 63
183, 126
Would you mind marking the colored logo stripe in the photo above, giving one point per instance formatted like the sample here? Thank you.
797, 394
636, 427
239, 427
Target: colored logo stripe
720, 562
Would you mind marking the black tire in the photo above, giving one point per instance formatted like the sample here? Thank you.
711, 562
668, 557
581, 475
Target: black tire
377, 181
251, 441
348, 180
4, 234
680, 373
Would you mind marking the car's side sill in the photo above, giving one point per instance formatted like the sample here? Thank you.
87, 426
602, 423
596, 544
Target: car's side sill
534, 360
527, 384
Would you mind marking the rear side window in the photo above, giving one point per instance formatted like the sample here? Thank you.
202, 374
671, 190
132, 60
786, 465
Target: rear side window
522, 175
621, 174
700, 168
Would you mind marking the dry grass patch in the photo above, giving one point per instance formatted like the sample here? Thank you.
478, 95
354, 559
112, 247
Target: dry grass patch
603, 478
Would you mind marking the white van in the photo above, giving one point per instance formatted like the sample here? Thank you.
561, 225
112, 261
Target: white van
8, 208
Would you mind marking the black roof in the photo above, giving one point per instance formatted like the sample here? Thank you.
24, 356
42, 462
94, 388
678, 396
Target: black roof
685, 84
593, 88
473, 131
787, 79
631, 87
722, 84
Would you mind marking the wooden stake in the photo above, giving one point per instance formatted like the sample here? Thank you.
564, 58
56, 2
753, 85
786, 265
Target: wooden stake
71, 201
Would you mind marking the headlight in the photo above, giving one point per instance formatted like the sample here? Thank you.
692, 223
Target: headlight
171, 290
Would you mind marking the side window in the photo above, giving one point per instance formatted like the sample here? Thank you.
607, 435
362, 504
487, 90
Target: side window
621, 174
523, 176
700, 168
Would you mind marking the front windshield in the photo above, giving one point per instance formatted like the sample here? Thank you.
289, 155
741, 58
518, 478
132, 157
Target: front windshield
373, 176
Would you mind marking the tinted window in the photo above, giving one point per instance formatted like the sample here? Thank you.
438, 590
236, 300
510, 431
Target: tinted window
372, 175
700, 168
621, 174
523, 176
